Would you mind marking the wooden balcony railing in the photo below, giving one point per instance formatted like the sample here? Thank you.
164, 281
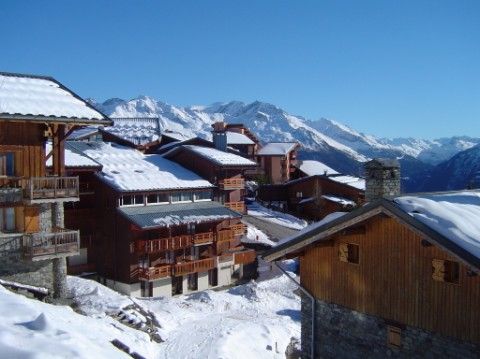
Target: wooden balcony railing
231, 183
164, 244
238, 229
58, 242
236, 206
39, 188
10, 195
200, 265
153, 273
244, 257
203, 238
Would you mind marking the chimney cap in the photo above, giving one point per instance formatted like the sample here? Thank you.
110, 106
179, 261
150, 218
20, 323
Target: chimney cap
383, 163
219, 126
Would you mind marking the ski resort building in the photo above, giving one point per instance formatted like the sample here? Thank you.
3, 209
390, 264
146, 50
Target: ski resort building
277, 159
396, 277
317, 191
156, 230
33, 239
224, 169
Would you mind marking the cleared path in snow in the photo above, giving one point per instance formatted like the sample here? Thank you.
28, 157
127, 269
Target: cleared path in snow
273, 230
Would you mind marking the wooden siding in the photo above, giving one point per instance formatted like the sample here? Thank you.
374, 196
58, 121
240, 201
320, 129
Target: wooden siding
393, 280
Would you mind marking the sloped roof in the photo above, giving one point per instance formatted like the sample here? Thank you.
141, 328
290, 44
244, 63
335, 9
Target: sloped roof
235, 138
215, 156
174, 214
449, 219
277, 148
82, 133
128, 170
41, 98
72, 158
136, 130
312, 168
351, 181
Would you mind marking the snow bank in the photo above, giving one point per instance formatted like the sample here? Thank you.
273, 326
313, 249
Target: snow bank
33, 329
287, 220
256, 236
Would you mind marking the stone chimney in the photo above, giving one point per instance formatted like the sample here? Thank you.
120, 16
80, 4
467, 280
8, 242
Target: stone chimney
382, 179
219, 135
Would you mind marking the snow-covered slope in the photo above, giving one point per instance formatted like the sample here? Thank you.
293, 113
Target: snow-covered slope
459, 172
428, 151
330, 142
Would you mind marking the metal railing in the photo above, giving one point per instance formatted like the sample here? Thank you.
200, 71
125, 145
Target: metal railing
11, 195
60, 241
52, 187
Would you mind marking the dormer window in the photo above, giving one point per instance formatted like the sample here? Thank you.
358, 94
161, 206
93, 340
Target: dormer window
131, 200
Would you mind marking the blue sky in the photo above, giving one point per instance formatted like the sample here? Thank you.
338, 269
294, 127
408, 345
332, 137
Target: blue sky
389, 68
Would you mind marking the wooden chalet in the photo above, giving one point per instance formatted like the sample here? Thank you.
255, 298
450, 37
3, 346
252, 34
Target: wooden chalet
158, 232
396, 277
314, 197
277, 159
33, 238
224, 169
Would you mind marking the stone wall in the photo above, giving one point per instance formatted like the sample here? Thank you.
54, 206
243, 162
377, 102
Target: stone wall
343, 333
14, 268
381, 181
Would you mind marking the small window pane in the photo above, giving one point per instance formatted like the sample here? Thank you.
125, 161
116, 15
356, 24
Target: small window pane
139, 199
127, 200
152, 198
202, 195
186, 196
163, 197
176, 197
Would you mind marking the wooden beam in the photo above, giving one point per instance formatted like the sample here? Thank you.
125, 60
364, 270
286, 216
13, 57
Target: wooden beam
58, 149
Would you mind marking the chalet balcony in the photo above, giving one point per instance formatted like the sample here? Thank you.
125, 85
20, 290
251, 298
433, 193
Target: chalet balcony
164, 244
44, 245
231, 183
42, 189
244, 257
153, 273
203, 238
236, 206
238, 229
195, 266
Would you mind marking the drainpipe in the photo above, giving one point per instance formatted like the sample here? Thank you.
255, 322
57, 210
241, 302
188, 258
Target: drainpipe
312, 299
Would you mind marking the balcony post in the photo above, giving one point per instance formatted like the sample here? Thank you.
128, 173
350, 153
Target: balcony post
59, 264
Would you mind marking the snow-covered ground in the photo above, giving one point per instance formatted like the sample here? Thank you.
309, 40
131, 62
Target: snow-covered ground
256, 236
255, 209
255, 320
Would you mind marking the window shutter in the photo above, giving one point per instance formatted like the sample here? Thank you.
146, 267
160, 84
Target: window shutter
343, 252
438, 270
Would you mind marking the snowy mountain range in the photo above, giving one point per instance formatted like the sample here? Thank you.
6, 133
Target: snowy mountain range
333, 143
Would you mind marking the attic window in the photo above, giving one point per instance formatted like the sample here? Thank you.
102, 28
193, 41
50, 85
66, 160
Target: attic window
349, 253
445, 271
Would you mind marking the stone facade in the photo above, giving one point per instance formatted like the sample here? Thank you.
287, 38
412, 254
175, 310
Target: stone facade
344, 333
382, 179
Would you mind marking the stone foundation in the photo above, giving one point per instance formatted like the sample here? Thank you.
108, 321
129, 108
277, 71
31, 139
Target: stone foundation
343, 333
39, 274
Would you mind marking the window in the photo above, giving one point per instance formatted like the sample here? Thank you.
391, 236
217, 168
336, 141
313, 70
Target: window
445, 271
193, 281
157, 198
202, 196
7, 164
349, 252
191, 228
181, 197
7, 219
394, 336
131, 200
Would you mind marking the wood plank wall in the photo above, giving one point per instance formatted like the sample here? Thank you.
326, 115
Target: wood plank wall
393, 280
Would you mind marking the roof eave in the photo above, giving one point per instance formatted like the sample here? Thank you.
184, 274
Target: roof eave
53, 119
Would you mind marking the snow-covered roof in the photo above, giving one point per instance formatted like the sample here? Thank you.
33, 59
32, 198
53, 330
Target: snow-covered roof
72, 159
176, 214
220, 157
350, 181
340, 200
43, 98
312, 168
136, 130
82, 133
127, 169
277, 148
454, 215
235, 138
